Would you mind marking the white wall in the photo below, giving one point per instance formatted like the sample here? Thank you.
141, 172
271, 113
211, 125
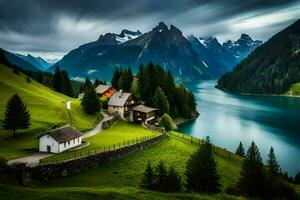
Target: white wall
70, 144
118, 109
47, 140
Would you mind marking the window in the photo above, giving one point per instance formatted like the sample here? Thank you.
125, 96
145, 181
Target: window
64, 144
68, 142
74, 141
78, 140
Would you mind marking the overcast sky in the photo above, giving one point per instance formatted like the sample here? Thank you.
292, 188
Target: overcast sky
51, 28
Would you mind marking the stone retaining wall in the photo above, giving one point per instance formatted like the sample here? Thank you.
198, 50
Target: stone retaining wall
76, 166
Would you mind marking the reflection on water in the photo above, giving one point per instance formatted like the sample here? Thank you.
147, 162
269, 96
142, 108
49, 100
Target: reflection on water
229, 119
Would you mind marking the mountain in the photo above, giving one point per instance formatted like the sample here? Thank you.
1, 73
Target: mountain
188, 59
162, 45
223, 57
20, 62
271, 68
242, 47
38, 62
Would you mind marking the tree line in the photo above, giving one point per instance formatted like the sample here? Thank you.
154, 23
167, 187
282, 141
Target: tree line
157, 88
270, 69
201, 175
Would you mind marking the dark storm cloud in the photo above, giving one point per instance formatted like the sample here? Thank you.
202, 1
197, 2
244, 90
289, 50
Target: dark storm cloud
61, 25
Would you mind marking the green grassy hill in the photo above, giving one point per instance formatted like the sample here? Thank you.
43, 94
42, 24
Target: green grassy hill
119, 133
121, 179
47, 108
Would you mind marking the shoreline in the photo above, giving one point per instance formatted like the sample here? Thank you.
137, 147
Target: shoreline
251, 94
181, 121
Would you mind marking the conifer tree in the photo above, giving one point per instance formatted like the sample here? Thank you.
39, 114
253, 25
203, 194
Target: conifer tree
252, 176
240, 150
96, 83
115, 79
161, 175
160, 101
148, 178
90, 101
201, 170
297, 178
272, 163
16, 115
87, 84
173, 180
67, 86
57, 80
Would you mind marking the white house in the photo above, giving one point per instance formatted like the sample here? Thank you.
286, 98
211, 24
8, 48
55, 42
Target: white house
122, 103
60, 139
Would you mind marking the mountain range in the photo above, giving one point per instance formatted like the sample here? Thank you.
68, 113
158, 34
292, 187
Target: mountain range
188, 58
27, 62
38, 62
272, 68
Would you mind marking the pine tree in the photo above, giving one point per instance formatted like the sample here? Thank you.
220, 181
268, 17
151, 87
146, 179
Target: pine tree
240, 150
87, 84
161, 175
115, 79
148, 178
297, 178
252, 176
173, 180
57, 80
67, 86
167, 122
90, 102
160, 101
96, 83
201, 170
272, 163
16, 115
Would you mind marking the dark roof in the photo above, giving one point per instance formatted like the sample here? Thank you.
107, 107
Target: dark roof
143, 109
63, 134
119, 98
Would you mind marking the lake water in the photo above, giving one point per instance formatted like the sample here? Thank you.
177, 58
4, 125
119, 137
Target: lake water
228, 119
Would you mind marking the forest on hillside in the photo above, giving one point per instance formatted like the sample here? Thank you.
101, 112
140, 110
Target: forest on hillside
271, 69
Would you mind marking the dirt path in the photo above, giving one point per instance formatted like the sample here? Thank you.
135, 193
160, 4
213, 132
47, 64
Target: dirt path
98, 128
34, 159
30, 161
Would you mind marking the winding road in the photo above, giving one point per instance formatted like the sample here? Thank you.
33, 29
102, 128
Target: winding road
98, 128
34, 159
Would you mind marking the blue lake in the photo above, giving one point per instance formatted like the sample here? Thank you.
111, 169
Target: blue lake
268, 120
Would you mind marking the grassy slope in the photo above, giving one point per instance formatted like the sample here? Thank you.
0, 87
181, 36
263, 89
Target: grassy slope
120, 132
47, 108
120, 179
128, 171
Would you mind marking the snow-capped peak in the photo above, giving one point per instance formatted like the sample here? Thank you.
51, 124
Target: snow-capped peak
127, 35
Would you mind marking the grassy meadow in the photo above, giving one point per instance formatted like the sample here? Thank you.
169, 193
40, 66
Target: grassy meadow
119, 133
121, 179
47, 108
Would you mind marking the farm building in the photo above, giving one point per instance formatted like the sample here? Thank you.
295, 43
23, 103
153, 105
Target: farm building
144, 114
122, 103
60, 139
102, 91
105, 90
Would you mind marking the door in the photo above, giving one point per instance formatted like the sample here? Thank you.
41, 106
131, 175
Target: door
48, 148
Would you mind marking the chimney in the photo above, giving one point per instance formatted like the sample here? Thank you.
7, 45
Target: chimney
121, 92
